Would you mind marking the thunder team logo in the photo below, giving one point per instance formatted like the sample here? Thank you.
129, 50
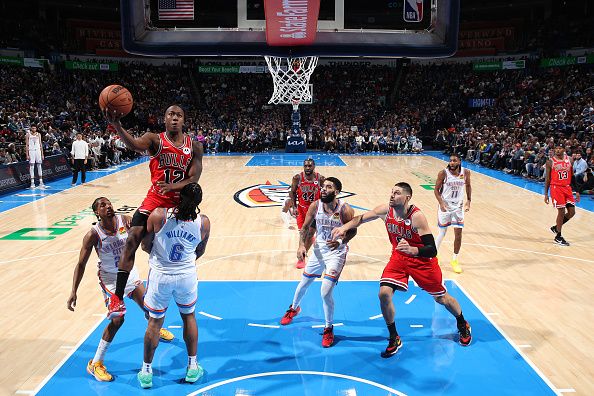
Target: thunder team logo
268, 194
413, 10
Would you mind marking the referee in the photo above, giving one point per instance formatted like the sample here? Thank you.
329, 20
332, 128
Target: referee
80, 154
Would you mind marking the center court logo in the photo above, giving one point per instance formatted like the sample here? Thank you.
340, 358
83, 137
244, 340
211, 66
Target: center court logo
267, 194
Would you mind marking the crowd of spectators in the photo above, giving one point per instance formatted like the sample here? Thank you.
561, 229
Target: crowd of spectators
358, 108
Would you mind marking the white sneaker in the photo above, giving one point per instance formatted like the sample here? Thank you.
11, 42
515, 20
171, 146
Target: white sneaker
41, 185
32, 186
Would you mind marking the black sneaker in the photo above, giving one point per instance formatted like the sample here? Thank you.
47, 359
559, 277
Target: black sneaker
559, 240
553, 229
465, 335
394, 345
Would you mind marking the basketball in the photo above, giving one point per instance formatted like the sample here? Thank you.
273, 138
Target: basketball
116, 98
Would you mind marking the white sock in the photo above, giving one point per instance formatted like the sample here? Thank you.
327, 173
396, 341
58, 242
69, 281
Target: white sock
440, 236
101, 350
147, 367
454, 257
328, 300
192, 362
301, 289
40, 173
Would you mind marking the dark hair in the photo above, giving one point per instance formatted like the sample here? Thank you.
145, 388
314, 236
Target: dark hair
336, 182
455, 155
95, 205
406, 187
309, 160
190, 198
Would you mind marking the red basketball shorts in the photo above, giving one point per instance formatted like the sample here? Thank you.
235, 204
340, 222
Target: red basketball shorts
425, 272
561, 196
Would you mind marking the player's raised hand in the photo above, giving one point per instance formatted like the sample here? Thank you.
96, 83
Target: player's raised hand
301, 253
71, 302
113, 117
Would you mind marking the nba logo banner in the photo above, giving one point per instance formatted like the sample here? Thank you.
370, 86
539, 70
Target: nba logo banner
413, 10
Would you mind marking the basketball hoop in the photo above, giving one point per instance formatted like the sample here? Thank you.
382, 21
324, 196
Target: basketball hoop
291, 79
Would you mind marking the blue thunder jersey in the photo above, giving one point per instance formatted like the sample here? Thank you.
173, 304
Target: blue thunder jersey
174, 246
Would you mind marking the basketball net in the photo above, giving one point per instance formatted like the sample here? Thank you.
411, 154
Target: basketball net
291, 79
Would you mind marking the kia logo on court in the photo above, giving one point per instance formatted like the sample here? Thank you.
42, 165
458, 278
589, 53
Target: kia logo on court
267, 194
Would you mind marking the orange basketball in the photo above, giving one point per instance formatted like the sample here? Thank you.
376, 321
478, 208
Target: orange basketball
116, 98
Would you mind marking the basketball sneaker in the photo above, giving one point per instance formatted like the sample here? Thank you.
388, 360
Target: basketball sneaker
394, 345
465, 335
456, 266
553, 229
99, 371
194, 374
166, 335
328, 337
145, 379
289, 315
116, 307
300, 264
559, 240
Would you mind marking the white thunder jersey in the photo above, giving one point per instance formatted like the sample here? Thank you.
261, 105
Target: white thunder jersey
453, 189
34, 141
174, 247
325, 223
109, 248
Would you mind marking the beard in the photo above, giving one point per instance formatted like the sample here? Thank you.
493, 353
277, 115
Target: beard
456, 168
327, 198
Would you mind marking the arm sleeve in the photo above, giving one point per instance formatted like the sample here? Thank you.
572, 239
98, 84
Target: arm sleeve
429, 249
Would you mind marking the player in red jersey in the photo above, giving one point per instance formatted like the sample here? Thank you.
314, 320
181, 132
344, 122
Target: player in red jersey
413, 254
305, 189
559, 179
176, 160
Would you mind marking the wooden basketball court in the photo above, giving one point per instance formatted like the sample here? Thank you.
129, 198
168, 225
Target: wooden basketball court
538, 293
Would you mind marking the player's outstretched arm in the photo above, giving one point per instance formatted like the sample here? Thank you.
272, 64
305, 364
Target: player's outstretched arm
89, 241
348, 213
147, 142
204, 234
378, 212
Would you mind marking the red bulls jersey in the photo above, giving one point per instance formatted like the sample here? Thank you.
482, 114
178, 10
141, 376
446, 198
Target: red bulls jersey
401, 228
308, 191
170, 164
561, 171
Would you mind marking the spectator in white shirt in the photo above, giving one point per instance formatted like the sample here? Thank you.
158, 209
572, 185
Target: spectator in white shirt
80, 155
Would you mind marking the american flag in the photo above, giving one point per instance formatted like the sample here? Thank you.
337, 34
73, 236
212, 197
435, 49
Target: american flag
176, 9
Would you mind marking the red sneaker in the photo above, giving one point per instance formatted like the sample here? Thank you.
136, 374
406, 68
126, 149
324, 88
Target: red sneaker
465, 334
289, 315
116, 307
300, 264
394, 344
328, 337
